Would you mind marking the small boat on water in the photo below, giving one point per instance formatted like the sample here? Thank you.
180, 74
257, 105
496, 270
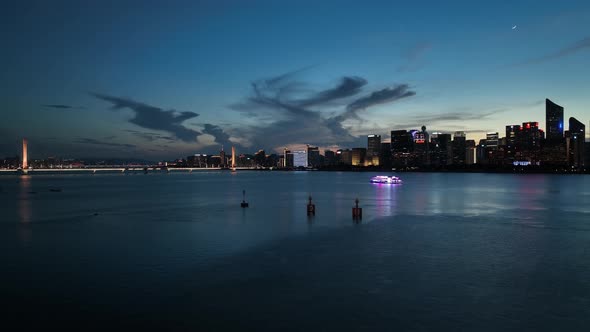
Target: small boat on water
386, 179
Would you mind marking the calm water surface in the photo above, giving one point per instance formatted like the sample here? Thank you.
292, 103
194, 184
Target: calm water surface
483, 252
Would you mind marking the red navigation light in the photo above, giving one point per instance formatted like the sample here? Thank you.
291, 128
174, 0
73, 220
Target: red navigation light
528, 125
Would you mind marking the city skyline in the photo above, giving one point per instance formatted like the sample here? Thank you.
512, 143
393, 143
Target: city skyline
158, 82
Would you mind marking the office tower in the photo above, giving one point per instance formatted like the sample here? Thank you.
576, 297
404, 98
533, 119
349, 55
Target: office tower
300, 158
313, 156
233, 157
344, 156
459, 148
329, 158
358, 156
373, 150
25, 155
554, 121
222, 157
470, 152
576, 143
287, 158
401, 146
260, 158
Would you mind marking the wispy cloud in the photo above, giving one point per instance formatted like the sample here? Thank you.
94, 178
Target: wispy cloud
578, 46
92, 141
414, 57
149, 136
155, 118
348, 86
61, 106
303, 119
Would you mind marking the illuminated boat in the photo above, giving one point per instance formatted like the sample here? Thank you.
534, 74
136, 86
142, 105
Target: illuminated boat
385, 179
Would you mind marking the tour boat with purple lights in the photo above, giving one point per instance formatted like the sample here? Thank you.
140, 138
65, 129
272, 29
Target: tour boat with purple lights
386, 179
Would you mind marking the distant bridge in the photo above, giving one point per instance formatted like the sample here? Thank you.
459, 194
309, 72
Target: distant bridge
114, 169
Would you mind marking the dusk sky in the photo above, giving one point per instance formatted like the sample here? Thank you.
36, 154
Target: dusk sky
155, 79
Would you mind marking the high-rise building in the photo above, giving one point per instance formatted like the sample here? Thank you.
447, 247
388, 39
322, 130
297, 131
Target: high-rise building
344, 156
287, 158
470, 152
222, 157
441, 149
300, 158
329, 157
401, 146
576, 143
25, 154
459, 148
358, 156
313, 156
373, 150
554, 121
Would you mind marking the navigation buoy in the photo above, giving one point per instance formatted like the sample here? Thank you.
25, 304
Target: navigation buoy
357, 212
244, 204
310, 208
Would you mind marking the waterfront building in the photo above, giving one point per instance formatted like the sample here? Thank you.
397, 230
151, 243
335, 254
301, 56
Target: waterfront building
401, 146
358, 156
344, 156
287, 158
300, 158
470, 152
385, 156
313, 156
373, 150
329, 158
459, 148
554, 122
576, 143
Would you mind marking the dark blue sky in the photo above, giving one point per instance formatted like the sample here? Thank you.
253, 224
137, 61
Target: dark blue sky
160, 80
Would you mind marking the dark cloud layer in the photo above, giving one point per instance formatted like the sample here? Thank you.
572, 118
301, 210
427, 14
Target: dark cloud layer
155, 118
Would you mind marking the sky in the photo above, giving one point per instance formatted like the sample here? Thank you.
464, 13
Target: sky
161, 80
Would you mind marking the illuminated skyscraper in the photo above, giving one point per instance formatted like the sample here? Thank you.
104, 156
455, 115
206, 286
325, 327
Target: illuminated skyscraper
233, 157
554, 121
25, 154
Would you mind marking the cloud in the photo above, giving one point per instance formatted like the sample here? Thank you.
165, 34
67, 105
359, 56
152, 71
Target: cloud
92, 141
349, 86
61, 106
382, 96
414, 57
155, 118
578, 46
148, 136
217, 132
295, 119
